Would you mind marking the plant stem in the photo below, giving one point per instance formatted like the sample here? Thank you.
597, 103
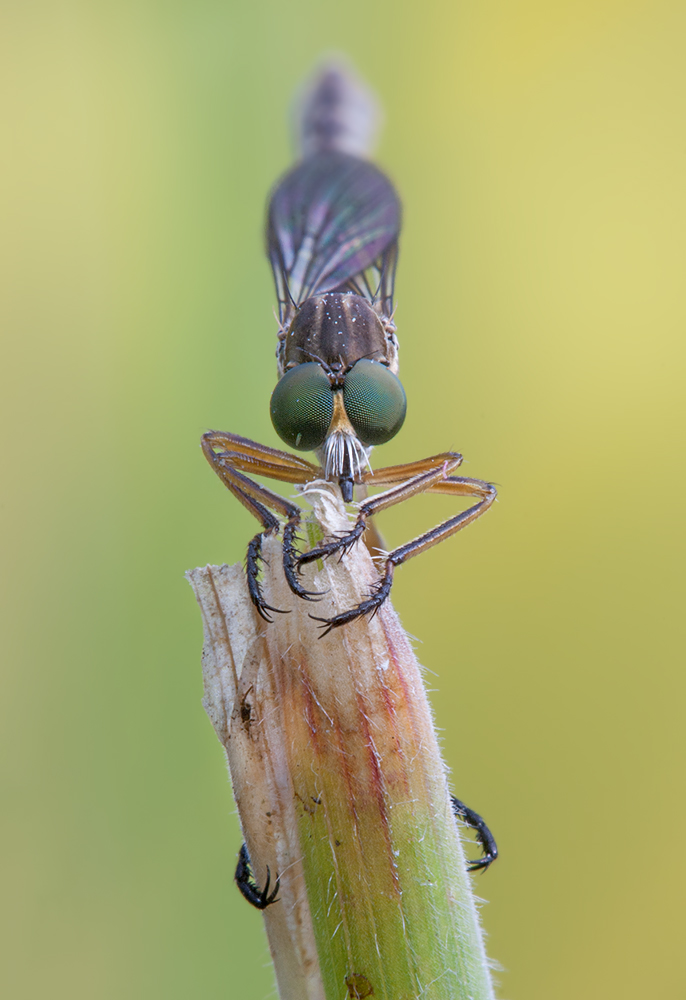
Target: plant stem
340, 786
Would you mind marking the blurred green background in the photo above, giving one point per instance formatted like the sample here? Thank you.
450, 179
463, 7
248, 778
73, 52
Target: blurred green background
540, 152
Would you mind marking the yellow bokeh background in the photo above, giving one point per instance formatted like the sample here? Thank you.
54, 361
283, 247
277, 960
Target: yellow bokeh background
540, 152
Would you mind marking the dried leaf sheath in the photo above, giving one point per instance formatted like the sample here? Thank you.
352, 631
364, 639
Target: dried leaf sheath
340, 787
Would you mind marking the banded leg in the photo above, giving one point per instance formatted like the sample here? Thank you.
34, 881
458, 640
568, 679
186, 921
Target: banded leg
429, 482
245, 880
228, 454
484, 836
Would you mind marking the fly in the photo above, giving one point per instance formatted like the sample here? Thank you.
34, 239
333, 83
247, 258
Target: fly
333, 224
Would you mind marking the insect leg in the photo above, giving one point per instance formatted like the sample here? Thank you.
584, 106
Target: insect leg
239, 453
415, 477
245, 880
483, 835
250, 456
483, 492
446, 461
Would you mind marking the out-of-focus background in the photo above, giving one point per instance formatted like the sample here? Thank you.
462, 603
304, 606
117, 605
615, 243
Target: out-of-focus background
540, 152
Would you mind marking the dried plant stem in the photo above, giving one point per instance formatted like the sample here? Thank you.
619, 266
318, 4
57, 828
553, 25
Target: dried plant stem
340, 787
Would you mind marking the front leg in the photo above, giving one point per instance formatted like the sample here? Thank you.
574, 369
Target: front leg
413, 478
227, 454
434, 482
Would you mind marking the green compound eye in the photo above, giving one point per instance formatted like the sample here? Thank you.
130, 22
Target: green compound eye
374, 401
302, 406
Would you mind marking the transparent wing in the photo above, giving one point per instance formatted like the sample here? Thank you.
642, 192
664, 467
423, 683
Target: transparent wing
333, 223
377, 282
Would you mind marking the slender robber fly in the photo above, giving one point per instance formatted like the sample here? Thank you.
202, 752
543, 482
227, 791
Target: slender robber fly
333, 223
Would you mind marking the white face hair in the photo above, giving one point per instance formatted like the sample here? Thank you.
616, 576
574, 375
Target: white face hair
339, 446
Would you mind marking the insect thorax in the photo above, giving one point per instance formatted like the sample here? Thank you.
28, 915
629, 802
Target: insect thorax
338, 329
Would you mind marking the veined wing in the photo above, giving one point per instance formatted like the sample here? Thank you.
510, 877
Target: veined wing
333, 222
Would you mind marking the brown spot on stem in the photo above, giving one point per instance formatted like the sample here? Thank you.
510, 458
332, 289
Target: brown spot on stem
358, 986
305, 804
246, 711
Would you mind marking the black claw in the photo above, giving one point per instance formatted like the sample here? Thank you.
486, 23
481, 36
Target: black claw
484, 836
313, 596
245, 880
368, 607
479, 864
260, 604
297, 589
306, 595
345, 617
325, 626
262, 609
